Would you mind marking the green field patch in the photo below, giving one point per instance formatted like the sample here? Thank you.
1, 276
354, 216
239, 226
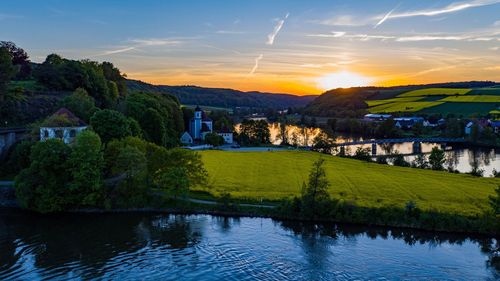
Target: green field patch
403, 106
435, 92
379, 102
485, 91
209, 108
472, 98
461, 108
280, 174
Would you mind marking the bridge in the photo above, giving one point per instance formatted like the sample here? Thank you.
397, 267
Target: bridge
417, 143
420, 140
9, 136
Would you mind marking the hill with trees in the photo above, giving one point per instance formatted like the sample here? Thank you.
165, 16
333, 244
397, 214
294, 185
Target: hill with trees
228, 98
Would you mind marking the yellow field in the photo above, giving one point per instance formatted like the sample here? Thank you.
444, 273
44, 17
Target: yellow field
403, 106
472, 98
280, 174
435, 92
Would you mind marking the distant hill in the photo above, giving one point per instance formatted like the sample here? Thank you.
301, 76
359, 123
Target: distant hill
428, 99
227, 98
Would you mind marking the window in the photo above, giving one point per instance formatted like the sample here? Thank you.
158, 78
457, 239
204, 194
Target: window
46, 133
72, 133
59, 134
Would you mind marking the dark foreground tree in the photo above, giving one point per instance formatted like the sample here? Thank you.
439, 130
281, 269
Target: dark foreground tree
437, 159
43, 186
110, 124
316, 190
495, 201
85, 165
7, 71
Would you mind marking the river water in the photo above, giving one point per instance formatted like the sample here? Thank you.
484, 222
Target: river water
458, 157
203, 247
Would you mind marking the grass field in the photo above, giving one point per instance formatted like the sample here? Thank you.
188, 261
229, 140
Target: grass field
485, 91
276, 175
410, 106
380, 102
435, 92
473, 98
460, 108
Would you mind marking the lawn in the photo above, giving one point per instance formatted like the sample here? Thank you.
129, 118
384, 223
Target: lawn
410, 106
435, 92
472, 98
276, 175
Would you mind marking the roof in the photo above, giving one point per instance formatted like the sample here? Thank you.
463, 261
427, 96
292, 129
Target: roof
204, 116
197, 108
66, 113
495, 123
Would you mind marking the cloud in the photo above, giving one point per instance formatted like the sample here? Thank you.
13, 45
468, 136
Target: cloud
116, 51
451, 8
277, 28
430, 38
334, 34
229, 32
344, 20
257, 59
8, 17
381, 21
155, 42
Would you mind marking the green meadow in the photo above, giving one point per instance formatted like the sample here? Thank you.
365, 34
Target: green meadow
405, 106
280, 174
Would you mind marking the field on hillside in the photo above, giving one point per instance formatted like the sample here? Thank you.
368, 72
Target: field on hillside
276, 175
435, 92
461, 102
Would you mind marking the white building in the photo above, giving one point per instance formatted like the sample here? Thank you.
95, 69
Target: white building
65, 133
199, 126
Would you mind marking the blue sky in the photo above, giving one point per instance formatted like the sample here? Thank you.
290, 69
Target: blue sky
282, 46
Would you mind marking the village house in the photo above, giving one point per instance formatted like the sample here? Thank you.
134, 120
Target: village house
62, 130
376, 117
407, 122
201, 125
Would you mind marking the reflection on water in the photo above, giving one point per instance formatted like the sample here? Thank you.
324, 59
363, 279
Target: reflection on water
459, 158
202, 247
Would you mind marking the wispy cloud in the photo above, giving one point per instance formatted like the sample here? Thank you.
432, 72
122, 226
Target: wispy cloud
451, 8
8, 17
334, 34
117, 51
383, 19
256, 65
277, 28
344, 20
430, 38
155, 42
229, 32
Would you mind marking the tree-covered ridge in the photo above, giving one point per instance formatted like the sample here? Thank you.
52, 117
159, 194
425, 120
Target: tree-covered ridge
228, 98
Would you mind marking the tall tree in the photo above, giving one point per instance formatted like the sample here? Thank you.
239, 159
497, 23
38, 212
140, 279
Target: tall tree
316, 189
20, 59
110, 124
7, 71
437, 159
85, 165
81, 104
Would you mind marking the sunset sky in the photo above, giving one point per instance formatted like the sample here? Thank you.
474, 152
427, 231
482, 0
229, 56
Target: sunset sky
300, 47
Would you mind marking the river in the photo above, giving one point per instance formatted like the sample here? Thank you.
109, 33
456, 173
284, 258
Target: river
458, 157
202, 247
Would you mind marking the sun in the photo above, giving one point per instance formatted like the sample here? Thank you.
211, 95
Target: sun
343, 79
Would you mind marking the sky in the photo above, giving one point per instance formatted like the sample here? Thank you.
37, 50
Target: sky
285, 46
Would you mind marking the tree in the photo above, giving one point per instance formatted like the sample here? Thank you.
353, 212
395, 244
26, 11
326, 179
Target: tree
420, 162
135, 128
110, 124
20, 59
322, 143
174, 179
316, 189
495, 201
399, 160
43, 186
283, 132
254, 132
214, 139
7, 71
153, 126
437, 159
81, 104
85, 165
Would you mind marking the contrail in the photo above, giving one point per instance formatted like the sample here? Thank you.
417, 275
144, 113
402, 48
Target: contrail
277, 28
257, 59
